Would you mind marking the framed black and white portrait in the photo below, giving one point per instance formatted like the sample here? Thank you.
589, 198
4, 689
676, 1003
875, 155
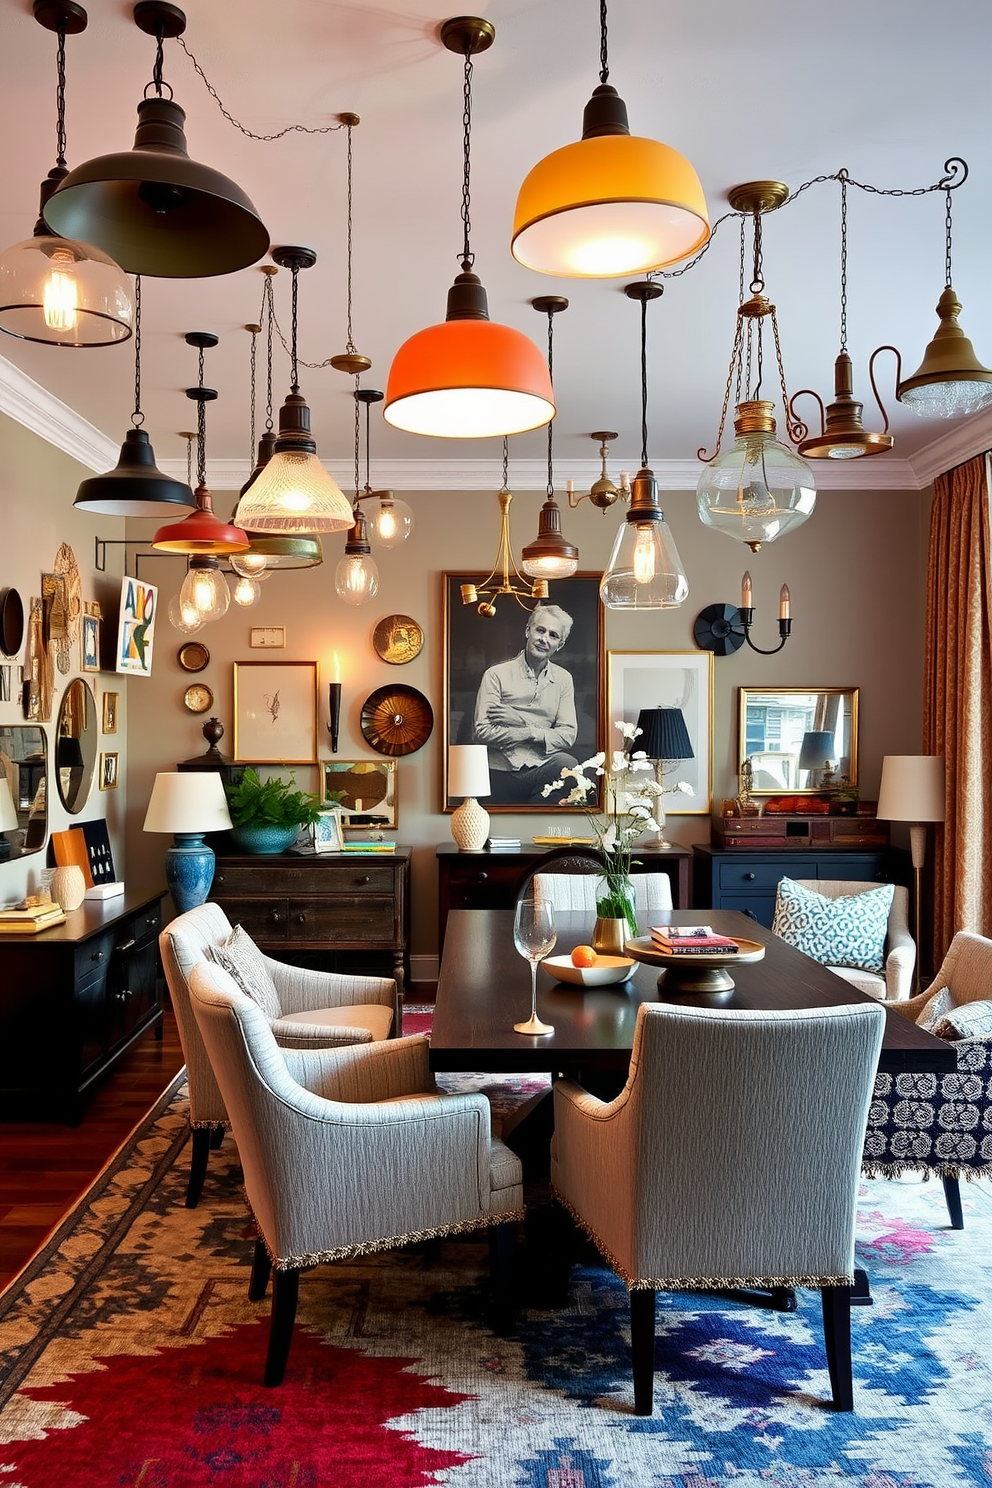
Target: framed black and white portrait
528, 683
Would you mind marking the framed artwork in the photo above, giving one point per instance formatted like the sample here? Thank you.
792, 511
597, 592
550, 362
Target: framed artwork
364, 791
108, 723
136, 627
527, 683
275, 712
108, 771
669, 679
90, 643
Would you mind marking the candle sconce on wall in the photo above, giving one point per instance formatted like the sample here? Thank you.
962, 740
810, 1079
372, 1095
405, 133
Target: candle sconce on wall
724, 629
334, 704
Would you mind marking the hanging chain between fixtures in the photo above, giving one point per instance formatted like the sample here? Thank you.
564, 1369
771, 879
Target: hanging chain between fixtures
604, 59
468, 257
137, 417
280, 134
60, 102
551, 374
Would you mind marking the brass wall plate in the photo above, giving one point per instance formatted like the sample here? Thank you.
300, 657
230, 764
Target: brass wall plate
397, 639
198, 698
193, 656
396, 720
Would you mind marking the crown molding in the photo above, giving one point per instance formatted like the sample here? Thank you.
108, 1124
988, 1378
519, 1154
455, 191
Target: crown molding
965, 439
28, 403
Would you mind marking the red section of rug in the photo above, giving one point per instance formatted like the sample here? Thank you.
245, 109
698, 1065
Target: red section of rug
198, 1415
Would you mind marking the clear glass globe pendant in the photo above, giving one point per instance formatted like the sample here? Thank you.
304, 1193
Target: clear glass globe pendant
758, 489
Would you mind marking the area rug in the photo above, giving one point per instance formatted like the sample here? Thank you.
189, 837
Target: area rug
133, 1359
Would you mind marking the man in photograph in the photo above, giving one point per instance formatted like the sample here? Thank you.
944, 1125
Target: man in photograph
525, 714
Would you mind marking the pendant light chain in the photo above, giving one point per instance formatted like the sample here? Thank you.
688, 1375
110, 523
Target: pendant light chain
270, 318
60, 144
201, 431
506, 465
189, 459
294, 370
468, 257
280, 134
350, 344
358, 448
604, 60
842, 177
947, 244
252, 395
137, 417
551, 422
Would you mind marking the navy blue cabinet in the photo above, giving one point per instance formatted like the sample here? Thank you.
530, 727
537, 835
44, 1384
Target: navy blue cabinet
746, 878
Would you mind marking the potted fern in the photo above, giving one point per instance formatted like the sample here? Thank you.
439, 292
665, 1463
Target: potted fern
267, 815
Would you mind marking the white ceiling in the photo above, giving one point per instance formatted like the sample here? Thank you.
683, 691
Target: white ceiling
887, 88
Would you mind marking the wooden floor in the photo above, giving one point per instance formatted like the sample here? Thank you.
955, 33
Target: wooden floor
45, 1166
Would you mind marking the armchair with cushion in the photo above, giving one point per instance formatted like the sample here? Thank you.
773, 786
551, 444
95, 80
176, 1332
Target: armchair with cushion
730, 1159
572, 879
876, 955
345, 1151
305, 1009
942, 1124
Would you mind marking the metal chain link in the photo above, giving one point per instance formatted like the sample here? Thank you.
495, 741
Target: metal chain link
137, 417
294, 370
604, 60
468, 257
358, 446
551, 374
797, 429
947, 244
60, 102
351, 347
189, 459
735, 358
506, 463
251, 430
280, 134
842, 178
201, 431
270, 318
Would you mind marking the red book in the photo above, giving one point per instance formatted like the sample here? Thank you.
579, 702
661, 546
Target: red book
689, 940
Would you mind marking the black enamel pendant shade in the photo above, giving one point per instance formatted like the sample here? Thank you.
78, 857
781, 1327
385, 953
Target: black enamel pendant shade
135, 487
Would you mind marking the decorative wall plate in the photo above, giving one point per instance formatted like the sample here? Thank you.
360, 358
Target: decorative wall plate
397, 639
396, 720
193, 657
198, 698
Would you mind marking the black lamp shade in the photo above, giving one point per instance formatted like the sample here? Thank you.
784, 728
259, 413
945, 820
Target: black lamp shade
135, 487
68, 753
663, 735
817, 747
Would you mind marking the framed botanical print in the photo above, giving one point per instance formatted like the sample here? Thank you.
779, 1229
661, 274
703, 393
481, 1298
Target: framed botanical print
527, 683
275, 712
364, 791
681, 680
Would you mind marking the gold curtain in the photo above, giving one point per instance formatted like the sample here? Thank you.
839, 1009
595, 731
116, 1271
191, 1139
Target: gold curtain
957, 697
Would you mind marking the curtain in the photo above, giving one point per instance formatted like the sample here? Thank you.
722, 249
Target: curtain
957, 697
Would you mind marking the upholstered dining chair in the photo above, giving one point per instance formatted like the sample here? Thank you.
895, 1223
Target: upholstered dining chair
305, 1009
942, 1124
346, 1151
730, 1159
895, 982
572, 879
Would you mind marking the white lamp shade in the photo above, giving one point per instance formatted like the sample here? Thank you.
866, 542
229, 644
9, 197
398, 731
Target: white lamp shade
912, 788
468, 770
8, 816
187, 801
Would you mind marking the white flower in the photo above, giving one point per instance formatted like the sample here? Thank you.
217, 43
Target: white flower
683, 788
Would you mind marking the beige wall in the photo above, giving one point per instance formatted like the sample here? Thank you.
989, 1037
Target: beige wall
855, 571
37, 486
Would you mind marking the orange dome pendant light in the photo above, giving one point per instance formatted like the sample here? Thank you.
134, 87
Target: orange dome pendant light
468, 378
612, 203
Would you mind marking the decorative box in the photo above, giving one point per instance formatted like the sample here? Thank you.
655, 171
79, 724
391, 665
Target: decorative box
800, 831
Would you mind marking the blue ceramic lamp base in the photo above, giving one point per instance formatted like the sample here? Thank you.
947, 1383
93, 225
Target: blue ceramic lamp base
189, 870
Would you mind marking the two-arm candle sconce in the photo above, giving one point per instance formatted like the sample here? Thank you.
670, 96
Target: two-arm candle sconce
724, 629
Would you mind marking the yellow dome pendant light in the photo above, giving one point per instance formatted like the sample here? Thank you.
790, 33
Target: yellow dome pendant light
612, 203
550, 555
468, 377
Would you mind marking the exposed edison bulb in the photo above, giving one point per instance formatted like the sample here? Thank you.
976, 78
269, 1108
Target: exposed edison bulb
60, 296
644, 564
205, 592
758, 489
247, 592
183, 616
392, 522
249, 565
356, 579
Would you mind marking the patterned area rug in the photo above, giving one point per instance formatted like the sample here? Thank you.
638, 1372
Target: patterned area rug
133, 1359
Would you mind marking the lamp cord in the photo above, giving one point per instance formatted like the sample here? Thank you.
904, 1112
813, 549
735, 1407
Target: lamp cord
137, 417
60, 102
467, 256
604, 61
551, 374
644, 384
350, 345
358, 414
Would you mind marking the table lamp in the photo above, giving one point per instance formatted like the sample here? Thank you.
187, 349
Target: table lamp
188, 804
663, 736
8, 818
468, 776
816, 753
912, 790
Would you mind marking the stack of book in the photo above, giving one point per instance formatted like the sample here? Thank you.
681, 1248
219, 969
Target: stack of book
30, 920
691, 940
504, 842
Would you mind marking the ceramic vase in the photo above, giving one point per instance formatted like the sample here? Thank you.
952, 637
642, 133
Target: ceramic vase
68, 887
265, 839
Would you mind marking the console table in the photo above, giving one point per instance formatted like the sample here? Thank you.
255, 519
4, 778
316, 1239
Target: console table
747, 878
490, 879
320, 902
74, 998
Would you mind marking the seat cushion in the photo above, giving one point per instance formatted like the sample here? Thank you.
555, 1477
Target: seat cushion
849, 931
378, 1020
241, 959
505, 1179
865, 981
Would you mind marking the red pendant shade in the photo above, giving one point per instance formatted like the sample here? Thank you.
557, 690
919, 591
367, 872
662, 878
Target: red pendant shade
201, 532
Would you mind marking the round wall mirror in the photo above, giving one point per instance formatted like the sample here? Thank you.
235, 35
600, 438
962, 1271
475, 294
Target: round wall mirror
75, 746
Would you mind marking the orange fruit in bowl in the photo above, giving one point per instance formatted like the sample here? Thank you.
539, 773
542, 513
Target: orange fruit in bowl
584, 955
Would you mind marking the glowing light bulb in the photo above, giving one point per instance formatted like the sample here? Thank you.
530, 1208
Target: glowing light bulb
392, 522
247, 592
205, 593
644, 553
60, 298
356, 579
183, 617
249, 565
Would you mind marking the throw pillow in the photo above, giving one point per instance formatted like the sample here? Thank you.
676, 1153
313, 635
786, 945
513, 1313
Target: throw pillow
241, 958
849, 931
971, 1020
934, 1009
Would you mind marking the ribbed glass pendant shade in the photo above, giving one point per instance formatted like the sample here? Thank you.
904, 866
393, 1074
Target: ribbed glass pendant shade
293, 493
135, 487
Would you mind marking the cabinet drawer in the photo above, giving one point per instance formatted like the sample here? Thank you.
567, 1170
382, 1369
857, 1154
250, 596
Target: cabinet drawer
280, 881
761, 873
481, 886
362, 920
93, 957
263, 919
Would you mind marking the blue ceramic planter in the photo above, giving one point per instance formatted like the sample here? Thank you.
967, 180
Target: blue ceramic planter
264, 839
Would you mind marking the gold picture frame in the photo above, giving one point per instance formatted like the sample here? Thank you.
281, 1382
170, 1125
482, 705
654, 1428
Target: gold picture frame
275, 712
773, 723
110, 708
668, 679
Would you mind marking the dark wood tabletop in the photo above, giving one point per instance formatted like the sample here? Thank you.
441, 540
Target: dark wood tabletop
484, 988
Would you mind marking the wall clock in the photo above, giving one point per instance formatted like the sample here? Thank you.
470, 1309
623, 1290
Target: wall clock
198, 698
194, 656
397, 639
396, 720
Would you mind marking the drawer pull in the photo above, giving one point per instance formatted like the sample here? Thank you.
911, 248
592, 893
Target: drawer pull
301, 918
750, 876
124, 994
125, 945
96, 956
277, 917
365, 878
482, 876
218, 878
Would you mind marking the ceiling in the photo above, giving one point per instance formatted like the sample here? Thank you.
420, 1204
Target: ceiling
888, 89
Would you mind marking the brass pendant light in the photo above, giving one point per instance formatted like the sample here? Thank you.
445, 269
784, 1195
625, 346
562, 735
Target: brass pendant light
602, 493
550, 555
152, 208
504, 577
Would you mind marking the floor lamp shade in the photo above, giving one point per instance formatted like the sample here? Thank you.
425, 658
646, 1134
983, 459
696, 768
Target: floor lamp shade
188, 804
912, 788
468, 776
663, 734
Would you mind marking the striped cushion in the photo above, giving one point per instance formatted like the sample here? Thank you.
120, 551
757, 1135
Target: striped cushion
849, 931
241, 959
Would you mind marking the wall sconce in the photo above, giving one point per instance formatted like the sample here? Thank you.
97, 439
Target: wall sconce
334, 705
602, 493
724, 629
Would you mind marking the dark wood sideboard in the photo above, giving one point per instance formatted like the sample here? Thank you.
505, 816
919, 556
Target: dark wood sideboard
320, 902
73, 999
490, 879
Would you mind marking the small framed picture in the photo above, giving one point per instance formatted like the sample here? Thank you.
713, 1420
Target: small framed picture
111, 701
108, 771
323, 836
363, 790
90, 643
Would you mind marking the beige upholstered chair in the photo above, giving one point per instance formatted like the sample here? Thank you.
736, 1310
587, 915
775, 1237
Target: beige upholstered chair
573, 880
316, 1009
345, 1151
730, 1159
900, 948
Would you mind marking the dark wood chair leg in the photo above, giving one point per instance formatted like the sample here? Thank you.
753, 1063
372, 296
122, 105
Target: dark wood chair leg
502, 1250
285, 1291
861, 1291
216, 1137
261, 1269
836, 1301
952, 1194
784, 1299
642, 1349
198, 1165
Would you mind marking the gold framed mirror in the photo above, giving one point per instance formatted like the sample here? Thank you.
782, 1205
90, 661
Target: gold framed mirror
75, 746
799, 740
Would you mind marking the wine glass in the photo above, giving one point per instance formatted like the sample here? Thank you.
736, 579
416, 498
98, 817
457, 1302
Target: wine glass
534, 935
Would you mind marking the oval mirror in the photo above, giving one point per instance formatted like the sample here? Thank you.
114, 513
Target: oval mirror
75, 746
23, 810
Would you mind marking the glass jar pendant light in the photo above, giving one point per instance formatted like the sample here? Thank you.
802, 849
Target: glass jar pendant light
550, 555
55, 290
645, 571
294, 494
759, 489
468, 377
612, 203
391, 520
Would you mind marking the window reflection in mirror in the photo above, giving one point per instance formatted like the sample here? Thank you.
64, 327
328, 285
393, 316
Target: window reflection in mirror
75, 746
799, 739
23, 789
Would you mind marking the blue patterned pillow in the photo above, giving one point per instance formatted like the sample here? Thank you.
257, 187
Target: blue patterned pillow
849, 931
